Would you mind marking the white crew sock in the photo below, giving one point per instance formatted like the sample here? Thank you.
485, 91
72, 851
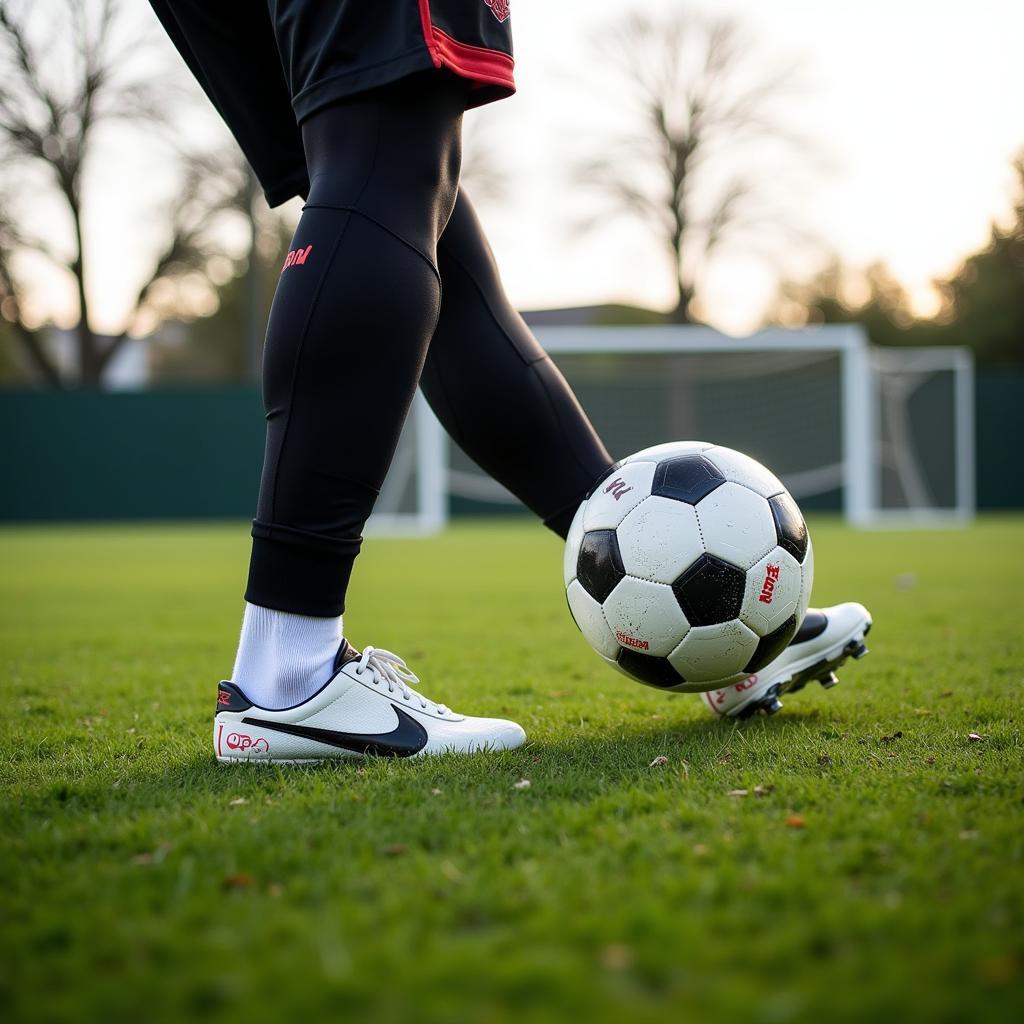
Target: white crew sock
283, 659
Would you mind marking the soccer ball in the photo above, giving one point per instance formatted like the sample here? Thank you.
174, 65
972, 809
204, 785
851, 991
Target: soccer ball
688, 566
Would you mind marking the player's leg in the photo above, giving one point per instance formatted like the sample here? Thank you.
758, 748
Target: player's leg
341, 365
354, 312
499, 396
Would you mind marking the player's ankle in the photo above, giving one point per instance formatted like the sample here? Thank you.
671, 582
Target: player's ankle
283, 658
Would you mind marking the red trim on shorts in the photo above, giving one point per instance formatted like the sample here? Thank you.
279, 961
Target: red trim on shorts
482, 66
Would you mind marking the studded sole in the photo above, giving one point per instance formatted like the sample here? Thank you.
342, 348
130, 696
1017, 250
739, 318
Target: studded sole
823, 670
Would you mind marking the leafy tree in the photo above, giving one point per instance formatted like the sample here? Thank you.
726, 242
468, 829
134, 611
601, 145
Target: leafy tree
982, 302
984, 299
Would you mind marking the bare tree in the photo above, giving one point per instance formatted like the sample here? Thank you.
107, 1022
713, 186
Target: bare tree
52, 105
698, 101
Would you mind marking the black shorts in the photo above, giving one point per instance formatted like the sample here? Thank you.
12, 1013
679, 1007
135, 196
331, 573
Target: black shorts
268, 64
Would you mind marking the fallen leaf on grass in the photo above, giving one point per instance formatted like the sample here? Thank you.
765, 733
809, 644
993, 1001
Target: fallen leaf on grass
239, 880
825, 761
999, 970
521, 784
394, 850
237, 802
763, 790
975, 737
737, 792
795, 821
929, 760
616, 957
436, 791
659, 760
921, 712
968, 833
895, 736
699, 850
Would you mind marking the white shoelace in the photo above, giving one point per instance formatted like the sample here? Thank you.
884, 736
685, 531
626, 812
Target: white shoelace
389, 668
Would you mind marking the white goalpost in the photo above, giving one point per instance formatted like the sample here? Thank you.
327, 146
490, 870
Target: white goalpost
887, 435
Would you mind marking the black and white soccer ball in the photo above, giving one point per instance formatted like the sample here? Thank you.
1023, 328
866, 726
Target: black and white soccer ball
689, 566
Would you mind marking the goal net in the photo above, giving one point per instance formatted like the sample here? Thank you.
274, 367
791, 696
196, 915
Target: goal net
874, 434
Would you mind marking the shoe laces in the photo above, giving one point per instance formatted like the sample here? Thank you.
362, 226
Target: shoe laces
388, 669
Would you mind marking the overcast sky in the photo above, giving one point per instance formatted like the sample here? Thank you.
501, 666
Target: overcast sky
914, 105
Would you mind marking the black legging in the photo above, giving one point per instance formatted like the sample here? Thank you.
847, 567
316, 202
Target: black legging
359, 315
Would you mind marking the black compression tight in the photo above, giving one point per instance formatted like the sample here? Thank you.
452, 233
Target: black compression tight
375, 297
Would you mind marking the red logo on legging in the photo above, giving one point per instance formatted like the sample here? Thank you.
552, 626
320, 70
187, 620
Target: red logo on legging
499, 8
296, 257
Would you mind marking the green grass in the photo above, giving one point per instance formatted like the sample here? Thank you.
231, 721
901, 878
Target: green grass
139, 880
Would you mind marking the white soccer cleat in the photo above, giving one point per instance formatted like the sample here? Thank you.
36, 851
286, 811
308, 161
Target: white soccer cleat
367, 707
825, 639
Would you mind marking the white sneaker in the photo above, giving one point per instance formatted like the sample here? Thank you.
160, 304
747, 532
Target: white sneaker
366, 707
825, 639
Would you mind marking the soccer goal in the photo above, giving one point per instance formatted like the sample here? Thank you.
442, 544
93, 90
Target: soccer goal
881, 435
413, 500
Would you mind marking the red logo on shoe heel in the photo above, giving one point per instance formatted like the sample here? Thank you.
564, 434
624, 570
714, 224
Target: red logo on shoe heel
768, 587
499, 8
743, 684
240, 741
296, 257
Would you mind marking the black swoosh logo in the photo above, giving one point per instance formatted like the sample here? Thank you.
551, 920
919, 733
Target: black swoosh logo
406, 739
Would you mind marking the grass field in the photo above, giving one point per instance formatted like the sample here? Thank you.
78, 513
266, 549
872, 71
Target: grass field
880, 876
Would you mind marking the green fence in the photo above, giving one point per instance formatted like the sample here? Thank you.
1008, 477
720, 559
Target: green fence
139, 455
196, 454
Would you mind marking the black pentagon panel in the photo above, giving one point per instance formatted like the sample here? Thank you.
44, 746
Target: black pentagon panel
789, 525
771, 646
650, 670
599, 565
686, 478
710, 591
604, 476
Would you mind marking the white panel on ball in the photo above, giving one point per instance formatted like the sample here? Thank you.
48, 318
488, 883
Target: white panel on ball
572, 546
772, 593
591, 621
745, 470
623, 490
659, 539
670, 449
736, 525
645, 616
710, 654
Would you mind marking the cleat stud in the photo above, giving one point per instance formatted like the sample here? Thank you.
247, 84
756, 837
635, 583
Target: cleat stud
858, 652
771, 706
828, 681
